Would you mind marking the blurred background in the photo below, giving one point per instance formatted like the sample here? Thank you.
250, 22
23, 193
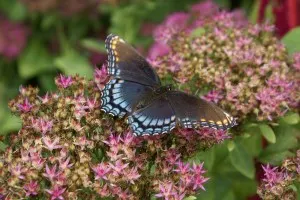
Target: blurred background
40, 39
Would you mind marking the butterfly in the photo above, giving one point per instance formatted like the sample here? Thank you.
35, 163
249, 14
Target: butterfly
135, 91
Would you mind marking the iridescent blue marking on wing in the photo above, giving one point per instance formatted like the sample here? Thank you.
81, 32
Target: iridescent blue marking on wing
119, 97
156, 118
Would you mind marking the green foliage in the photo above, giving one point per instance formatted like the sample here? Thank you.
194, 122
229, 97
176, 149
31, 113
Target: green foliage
291, 40
267, 132
34, 60
72, 63
242, 161
285, 144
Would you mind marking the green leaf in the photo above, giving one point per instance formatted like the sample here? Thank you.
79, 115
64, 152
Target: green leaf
15, 10
223, 3
275, 158
292, 40
242, 161
291, 118
230, 146
190, 198
208, 157
253, 144
286, 140
3, 146
92, 44
10, 123
34, 60
197, 32
72, 63
267, 132
49, 20
46, 81
254, 12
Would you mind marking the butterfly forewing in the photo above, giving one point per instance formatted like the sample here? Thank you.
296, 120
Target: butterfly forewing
126, 63
156, 118
192, 112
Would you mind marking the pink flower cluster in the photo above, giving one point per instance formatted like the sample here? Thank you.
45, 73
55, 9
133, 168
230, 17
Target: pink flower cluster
277, 96
125, 167
244, 68
67, 146
272, 176
277, 182
199, 15
13, 38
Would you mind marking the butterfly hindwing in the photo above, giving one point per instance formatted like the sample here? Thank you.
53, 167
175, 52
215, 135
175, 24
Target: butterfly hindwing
120, 96
126, 63
156, 118
194, 112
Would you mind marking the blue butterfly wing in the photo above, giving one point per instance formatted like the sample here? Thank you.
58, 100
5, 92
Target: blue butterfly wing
192, 112
132, 78
156, 118
125, 63
119, 97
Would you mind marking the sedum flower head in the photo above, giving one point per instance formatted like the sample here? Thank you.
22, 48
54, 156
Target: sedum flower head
277, 182
240, 66
66, 144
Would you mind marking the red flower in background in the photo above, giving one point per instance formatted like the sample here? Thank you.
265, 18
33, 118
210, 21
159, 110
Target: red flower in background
286, 12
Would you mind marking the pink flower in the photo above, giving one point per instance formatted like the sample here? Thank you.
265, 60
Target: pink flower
92, 104
56, 192
101, 75
182, 168
177, 20
61, 179
198, 182
114, 141
118, 167
17, 171
51, 145
158, 49
63, 81
65, 164
13, 39
132, 175
81, 141
36, 160
220, 135
25, 106
31, 188
205, 8
128, 139
104, 191
101, 170
51, 172
213, 96
165, 190
172, 157
174, 23
198, 169
42, 125
45, 99
296, 58
272, 176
